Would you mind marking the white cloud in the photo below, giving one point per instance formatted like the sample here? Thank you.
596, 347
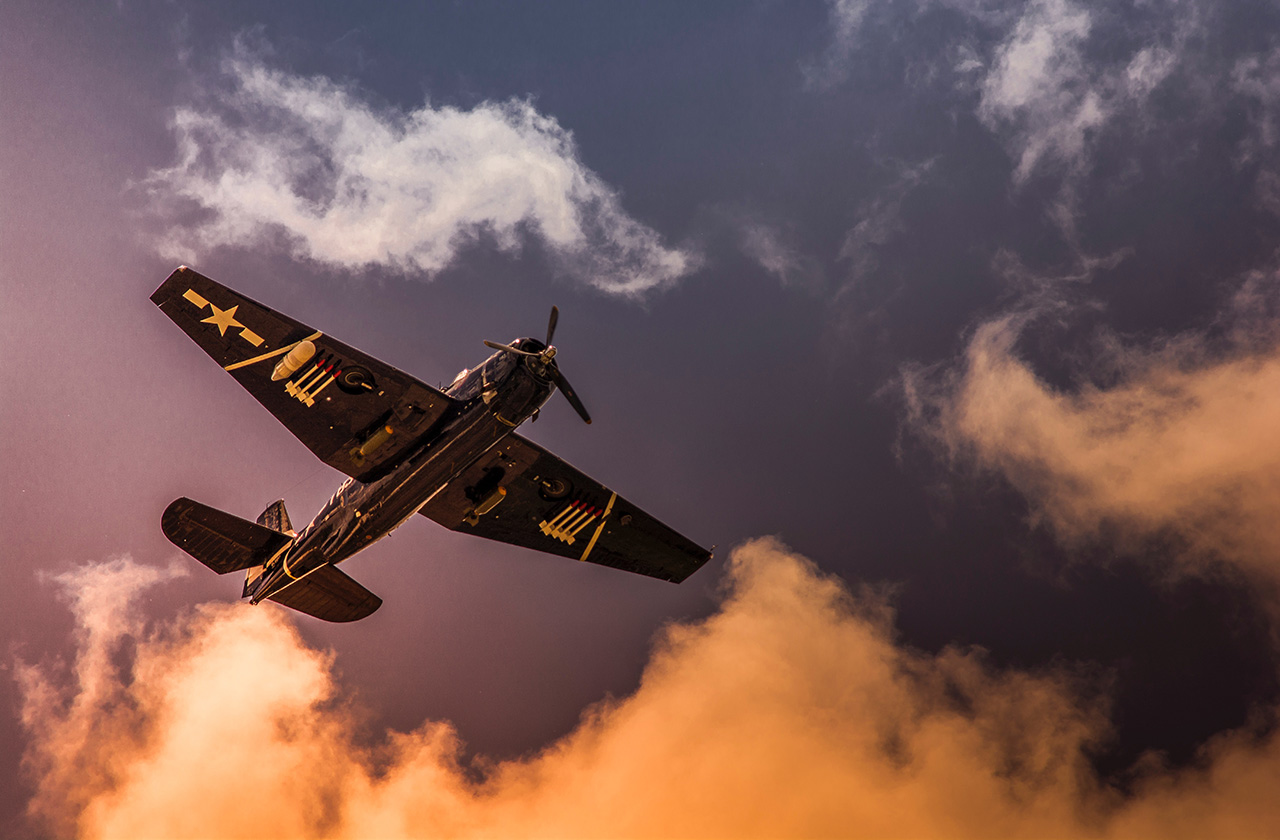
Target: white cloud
1041, 91
1052, 91
1039, 87
353, 185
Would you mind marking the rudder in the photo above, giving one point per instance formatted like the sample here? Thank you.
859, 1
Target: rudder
276, 518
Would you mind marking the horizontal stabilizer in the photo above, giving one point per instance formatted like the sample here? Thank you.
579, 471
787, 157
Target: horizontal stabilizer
330, 595
223, 542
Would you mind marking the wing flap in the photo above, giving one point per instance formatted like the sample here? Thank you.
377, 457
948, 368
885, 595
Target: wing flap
330, 595
337, 400
223, 542
519, 493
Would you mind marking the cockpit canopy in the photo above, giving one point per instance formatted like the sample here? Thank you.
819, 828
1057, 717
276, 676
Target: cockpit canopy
471, 382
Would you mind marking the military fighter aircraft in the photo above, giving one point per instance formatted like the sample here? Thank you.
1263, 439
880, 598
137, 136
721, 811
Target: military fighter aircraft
453, 456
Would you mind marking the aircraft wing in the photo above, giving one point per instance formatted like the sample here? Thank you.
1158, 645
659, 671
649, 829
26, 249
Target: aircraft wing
336, 400
520, 493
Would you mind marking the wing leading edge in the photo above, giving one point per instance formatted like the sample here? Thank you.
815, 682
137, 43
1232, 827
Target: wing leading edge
357, 414
519, 493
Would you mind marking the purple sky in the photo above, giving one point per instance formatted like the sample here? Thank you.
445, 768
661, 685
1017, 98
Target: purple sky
973, 302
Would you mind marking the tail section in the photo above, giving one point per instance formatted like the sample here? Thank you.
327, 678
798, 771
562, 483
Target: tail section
223, 542
227, 543
276, 518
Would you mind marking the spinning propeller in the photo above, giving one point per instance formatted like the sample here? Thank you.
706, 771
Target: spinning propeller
544, 364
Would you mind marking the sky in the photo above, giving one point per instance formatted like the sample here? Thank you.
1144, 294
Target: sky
953, 324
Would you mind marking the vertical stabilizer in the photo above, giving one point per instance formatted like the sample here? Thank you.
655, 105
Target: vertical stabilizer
276, 518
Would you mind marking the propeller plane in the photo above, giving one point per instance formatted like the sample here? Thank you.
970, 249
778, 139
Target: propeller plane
452, 455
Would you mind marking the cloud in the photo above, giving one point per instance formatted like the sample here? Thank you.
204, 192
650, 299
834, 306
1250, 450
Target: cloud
791, 711
1042, 82
1179, 442
1255, 79
880, 220
77, 725
772, 247
1050, 99
353, 185
1040, 90
845, 18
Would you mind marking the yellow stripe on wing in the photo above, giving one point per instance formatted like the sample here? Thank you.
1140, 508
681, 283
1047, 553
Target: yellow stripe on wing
603, 519
272, 354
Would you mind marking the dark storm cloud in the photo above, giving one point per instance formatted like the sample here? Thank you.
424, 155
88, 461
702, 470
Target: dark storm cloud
354, 185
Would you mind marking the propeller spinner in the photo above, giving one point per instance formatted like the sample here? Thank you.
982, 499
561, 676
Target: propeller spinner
546, 358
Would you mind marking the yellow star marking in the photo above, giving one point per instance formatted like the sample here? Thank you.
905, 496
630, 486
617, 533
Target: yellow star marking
223, 318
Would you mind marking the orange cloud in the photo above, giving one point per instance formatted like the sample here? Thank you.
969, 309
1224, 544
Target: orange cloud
791, 711
1182, 445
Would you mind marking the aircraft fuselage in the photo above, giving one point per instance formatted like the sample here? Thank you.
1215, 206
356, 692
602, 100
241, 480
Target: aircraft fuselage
494, 399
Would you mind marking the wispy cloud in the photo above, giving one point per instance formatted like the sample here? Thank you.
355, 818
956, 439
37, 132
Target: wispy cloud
276, 156
1034, 72
1256, 80
773, 247
845, 18
791, 711
1040, 88
879, 220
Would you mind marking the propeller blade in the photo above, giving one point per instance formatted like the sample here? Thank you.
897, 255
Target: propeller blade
507, 348
567, 390
551, 326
